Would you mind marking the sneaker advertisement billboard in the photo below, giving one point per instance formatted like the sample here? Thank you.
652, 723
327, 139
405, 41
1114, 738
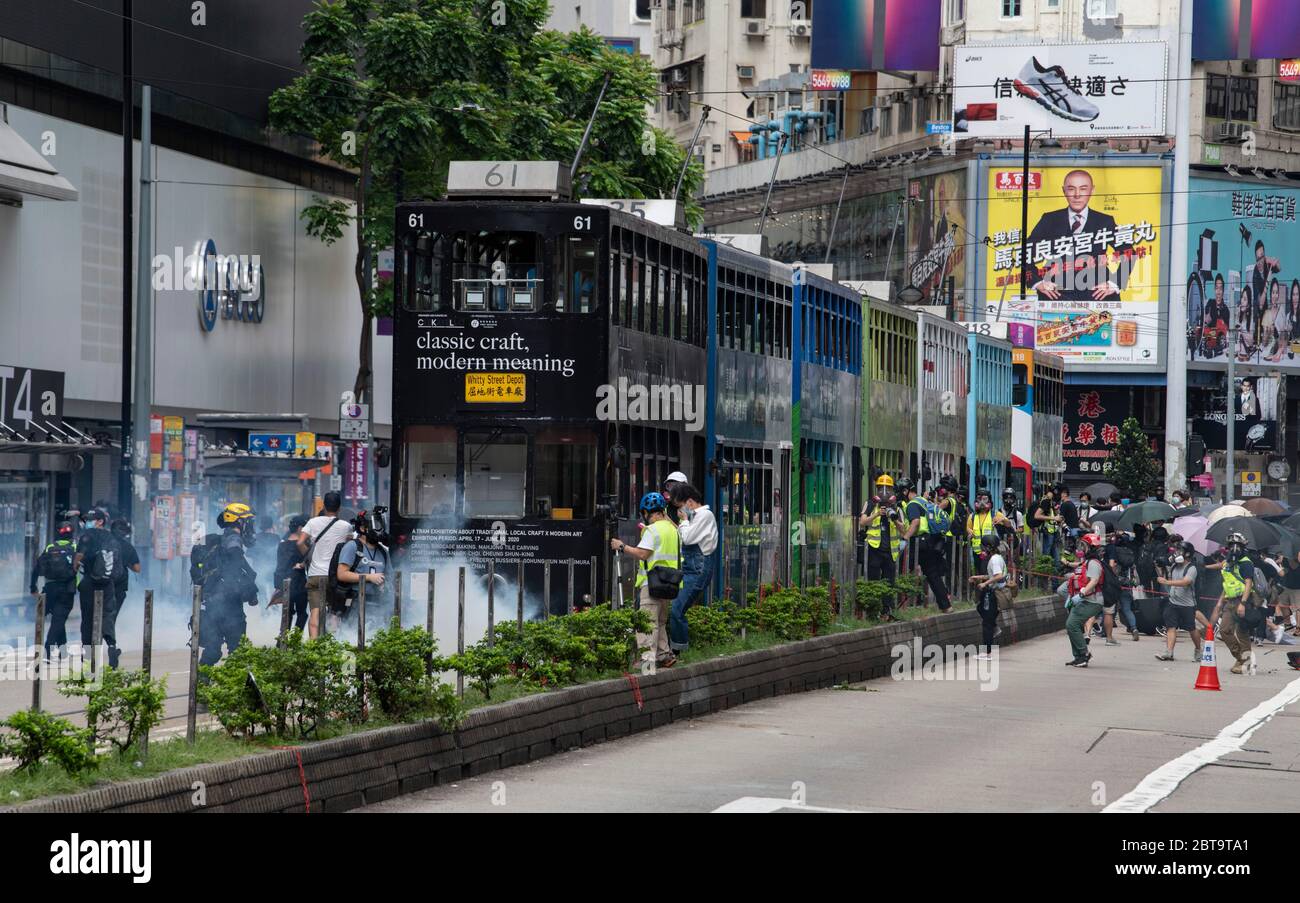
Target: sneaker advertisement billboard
1095, 249
1093, 90
1244, 252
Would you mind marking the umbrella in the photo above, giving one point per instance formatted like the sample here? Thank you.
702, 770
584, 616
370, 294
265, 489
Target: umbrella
1226, 511
1145, 513
1262, 507
1260, 534
1293, 522
1188, 512
1108, 520
1192, 529
1097, 490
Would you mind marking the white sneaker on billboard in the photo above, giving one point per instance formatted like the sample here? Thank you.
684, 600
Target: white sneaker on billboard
1050, 87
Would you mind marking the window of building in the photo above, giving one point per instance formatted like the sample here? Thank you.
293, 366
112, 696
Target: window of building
496, 467
922, 110
564, 474
692, 11
801, 10
905, 116
428, 480
1216, 96
886, 122
956, 11
753, 9
641, 10
1243, 99
1286, 106
1010, 8
868, 123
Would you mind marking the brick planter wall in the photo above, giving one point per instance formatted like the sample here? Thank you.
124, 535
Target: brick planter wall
377, 765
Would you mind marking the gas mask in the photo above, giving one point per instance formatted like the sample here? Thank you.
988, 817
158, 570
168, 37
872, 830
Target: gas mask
374, 524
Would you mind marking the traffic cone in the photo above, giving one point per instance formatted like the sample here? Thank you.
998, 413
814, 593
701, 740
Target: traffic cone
1208, 679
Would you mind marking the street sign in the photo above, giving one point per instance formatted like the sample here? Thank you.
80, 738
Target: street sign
165, 481
938, 128
358, 470
1249, 490
354, 430
305, 445
164, 516
271, 442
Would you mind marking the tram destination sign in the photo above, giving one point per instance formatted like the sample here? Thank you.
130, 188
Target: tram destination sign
508, 178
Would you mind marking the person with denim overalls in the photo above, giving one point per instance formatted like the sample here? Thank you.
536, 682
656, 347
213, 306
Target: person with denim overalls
698, 531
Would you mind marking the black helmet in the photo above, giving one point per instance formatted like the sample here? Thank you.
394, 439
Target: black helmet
122, 528
949, 482
990, 542
1008, 493
65, 529
904, 485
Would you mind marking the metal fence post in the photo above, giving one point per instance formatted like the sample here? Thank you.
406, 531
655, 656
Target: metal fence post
146, 657
361, 643
286, 610
40, 652
568, 601
196, 616
97, 631
519, 589
492, 611
591, 584
546, 591
460, 631
428, 665
397, 599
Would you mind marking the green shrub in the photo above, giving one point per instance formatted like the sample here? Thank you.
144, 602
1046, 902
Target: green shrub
792, 615
395, 665
39, 737
289, 690
484, 665
870, 597
122, 706
712, 625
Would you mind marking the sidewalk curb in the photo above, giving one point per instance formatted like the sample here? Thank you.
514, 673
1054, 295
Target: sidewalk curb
377, 765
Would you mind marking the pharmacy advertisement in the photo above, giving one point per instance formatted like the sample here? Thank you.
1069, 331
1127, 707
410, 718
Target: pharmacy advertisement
1093, 277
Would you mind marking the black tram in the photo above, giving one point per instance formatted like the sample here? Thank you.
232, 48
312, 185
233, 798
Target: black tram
549, 368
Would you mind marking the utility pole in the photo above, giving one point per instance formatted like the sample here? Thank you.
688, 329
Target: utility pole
1176, 367
128, 123
1024, 219
144, 328
1230, 477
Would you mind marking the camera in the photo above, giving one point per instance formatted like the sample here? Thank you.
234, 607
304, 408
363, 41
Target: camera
608, 506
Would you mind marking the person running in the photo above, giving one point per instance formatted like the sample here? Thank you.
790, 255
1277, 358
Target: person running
55, 565
97, 562
1180, 612
1083, 592
317, 541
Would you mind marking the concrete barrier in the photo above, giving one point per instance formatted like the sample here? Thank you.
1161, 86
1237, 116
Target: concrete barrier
377, 765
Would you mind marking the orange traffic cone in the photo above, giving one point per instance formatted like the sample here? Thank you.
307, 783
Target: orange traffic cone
1208, 679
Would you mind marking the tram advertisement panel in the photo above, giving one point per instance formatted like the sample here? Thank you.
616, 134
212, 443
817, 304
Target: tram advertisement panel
499, 363
937, 238
1095, 240
1243, 249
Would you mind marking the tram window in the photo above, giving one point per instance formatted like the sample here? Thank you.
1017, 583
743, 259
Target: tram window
564, 474
428, 478
498, 271
496, 463
575, 273
425, 277
640, 277
688, 304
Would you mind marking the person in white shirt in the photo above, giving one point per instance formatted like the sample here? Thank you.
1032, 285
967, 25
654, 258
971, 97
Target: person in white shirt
317, 541
698, 532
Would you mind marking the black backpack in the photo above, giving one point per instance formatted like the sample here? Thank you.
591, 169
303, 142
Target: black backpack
1111, 589
340, 596
204, 559
102, 565
55, 564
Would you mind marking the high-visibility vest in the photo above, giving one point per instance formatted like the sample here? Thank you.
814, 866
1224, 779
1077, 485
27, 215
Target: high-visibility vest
1048, 525
1233, 586
978, 525
875, 534
668, 553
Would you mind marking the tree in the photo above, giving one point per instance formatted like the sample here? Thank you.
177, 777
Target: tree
394, 90
1132, 465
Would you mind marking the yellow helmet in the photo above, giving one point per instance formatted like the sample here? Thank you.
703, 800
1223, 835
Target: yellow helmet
885, 480
234, 513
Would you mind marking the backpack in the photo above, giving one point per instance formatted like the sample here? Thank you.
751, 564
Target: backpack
340, 596
939, 519
101, 566
56, 564
204, 559
1110, 585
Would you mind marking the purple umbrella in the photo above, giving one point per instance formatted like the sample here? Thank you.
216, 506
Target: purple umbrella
1192, 529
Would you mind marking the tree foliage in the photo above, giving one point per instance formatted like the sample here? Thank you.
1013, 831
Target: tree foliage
1132, 465
396, 89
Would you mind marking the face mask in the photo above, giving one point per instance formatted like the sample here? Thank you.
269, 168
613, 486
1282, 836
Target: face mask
1178, 559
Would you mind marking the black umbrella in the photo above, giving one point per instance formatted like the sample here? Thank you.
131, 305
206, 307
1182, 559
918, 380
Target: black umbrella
1260, 534
1098, 490
1146, 513
1293, 522
1109, 519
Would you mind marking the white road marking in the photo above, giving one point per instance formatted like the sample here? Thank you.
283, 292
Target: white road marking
762, 804
1162, 782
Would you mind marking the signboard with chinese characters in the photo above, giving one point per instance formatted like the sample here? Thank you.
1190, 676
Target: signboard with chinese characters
1095, 245
155, 442
189, 522
1243, 249
1088, 90
174, 441
1091, 427
164, 527
358, 471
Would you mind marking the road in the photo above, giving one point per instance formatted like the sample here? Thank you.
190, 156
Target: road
1047, 738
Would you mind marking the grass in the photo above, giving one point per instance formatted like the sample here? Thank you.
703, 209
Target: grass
213, 746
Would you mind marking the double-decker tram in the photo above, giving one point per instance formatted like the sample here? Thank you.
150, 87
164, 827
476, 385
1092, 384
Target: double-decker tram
889, 393
1037, 414
988, 417
549, 369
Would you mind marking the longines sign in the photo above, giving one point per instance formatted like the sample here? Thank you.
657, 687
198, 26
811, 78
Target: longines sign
230, 287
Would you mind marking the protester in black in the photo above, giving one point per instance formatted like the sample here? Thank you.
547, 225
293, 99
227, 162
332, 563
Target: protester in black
97, 562
55, 565
289, 566
230, 584
129, 560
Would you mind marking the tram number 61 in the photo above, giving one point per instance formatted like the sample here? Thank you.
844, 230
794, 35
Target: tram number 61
581, 223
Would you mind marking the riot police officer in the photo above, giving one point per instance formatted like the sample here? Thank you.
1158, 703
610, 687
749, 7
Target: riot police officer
55, 564
229, 583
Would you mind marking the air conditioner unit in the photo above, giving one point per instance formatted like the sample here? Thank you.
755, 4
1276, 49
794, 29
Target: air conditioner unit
698, 150
1232, 132
882, 101
900, 97
801, 29
745, 72
1249, 67
756, 28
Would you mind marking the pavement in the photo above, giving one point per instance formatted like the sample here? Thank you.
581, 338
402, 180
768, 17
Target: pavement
1041, 737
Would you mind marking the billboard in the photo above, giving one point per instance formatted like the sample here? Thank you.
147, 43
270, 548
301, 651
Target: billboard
1245, 29
937, 237
1094, 247
1244, 253
1256, 403
871, 35
1090, 427
1076, 90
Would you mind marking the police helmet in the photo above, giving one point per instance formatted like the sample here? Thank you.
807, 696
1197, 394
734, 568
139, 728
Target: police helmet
65, 530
